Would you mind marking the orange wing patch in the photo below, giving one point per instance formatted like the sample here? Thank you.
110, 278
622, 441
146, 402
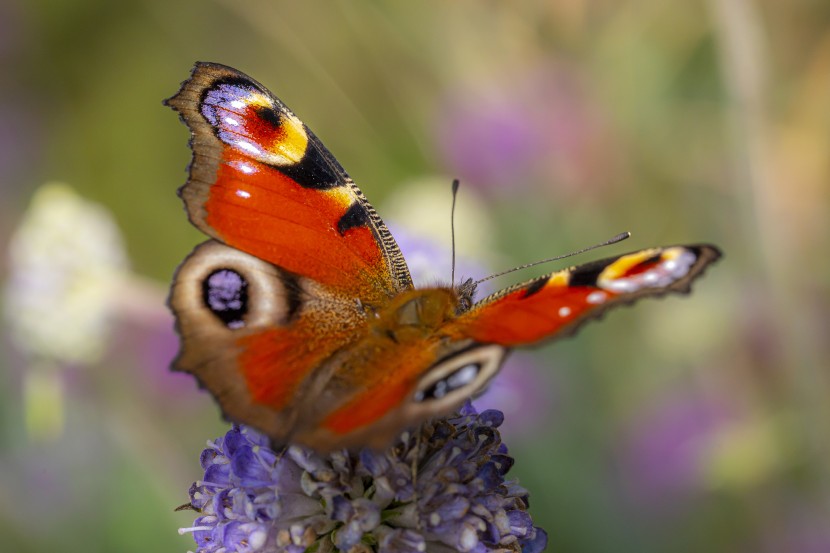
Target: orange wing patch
384, 391
275, 362
321, 234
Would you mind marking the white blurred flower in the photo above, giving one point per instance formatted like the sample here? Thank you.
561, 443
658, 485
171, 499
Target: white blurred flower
66, 260
66, 264
422, 207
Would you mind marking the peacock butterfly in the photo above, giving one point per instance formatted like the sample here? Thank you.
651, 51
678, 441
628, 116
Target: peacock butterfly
300, 316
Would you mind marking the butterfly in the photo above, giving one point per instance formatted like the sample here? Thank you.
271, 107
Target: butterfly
299, 314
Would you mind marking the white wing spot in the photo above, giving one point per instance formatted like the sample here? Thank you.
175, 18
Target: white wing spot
246, 168
231, 121
622, 286
564, 311
596, 297
237, 104
243, 194
247, 146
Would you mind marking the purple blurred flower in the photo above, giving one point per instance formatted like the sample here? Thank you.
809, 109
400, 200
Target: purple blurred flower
665, 453
525, 393
255, 499
536, 126
490, 141
430, 262
146, 336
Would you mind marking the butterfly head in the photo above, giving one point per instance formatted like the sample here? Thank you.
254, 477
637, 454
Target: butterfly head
466, 292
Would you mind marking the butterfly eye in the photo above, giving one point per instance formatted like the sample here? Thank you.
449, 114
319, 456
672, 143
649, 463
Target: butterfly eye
225, 293
458, 376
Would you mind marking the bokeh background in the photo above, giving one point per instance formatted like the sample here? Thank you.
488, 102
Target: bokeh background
688, 424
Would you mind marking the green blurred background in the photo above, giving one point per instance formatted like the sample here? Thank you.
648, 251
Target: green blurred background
683, 425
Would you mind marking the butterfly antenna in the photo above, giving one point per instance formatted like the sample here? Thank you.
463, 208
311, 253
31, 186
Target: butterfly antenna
455, 185
618, 238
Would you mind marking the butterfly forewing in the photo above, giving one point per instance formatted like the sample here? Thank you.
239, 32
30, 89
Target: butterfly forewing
261, 182
557, 304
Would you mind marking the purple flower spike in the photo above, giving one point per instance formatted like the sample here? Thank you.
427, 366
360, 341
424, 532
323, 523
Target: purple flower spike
439, 490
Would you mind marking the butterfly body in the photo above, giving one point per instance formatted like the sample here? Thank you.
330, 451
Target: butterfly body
300, 316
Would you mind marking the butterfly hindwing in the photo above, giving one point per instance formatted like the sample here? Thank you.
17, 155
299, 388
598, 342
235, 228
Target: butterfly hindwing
557, 304
250, 333
261, 182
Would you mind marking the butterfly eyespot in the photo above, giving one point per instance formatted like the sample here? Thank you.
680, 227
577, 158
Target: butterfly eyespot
225, 293
219, 290
456, 377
